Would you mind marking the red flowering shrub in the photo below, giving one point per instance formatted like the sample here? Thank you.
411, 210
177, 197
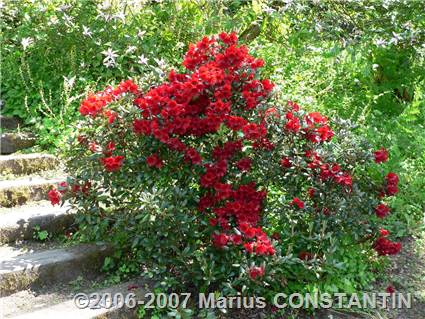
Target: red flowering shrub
193, 176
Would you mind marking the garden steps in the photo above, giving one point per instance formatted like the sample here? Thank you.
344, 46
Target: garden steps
25, 164
55, 303
38, 279
15, 141
18, 223
20, 191
23, 268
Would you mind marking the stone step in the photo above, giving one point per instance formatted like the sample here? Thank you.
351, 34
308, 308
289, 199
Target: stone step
18, 223
22, 269
60, 303
9, 122
25, 164
27, 189
12, 142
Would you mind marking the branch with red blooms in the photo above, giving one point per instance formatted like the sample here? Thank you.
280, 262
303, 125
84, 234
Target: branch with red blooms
222, 89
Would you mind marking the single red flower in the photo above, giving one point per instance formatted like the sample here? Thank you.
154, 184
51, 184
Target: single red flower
304, 255
392, 178
390, 289
54, 196
256, 272
113, 163
381, 155
297, 202
383, 232
382, 210
391, 190
220, 240
285, 162
244, 164
154, 161
293, 124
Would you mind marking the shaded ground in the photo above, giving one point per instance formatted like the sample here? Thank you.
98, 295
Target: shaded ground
407, 273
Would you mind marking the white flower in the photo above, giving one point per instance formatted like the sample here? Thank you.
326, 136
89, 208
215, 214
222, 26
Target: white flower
68, 20
26, 42
105, 5
161, 63
87, 32
395, 39
141, 33
106, 17
142, 59
69, 83
109, 63
268, 10
119, 16
130, 49
64, 7
110, 55
380, 42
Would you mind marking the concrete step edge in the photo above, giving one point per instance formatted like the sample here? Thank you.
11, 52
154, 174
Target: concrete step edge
18, 223
34, 269
25, 164
23, 190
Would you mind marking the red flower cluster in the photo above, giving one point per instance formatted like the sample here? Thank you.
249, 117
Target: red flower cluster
328, 171
197, 103
154, 161
298, 203
391, 184
384, 246
95, 103
113, 163
221, 89
314, 126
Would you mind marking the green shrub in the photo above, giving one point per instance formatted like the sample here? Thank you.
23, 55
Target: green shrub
208, 182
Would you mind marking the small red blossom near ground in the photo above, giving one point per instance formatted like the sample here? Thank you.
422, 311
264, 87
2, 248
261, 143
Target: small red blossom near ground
384, 246
132, 287
304, 255
390, 289
54, 196
63, 186
381, 155
276, 236
154, 161
285, 162
256, 272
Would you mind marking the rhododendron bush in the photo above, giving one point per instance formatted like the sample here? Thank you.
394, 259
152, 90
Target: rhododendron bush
210, 179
